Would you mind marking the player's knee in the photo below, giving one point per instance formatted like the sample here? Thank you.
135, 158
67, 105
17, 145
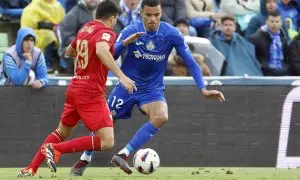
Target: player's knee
161, 118
107, 143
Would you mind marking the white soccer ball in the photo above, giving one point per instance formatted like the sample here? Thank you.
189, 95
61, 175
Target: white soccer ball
146, 161
30, 79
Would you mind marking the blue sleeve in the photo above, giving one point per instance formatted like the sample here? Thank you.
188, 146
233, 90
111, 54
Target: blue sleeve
15, 74
125, 33
41, 70
184, 52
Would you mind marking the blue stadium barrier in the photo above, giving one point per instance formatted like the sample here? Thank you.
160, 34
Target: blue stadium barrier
217, 80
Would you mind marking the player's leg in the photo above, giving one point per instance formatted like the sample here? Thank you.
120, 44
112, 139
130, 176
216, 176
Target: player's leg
96, 117
102, 140
120, 104
154, 105
55, 137
70, 118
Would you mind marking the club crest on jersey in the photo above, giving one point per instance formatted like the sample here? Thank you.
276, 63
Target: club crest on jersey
150, 46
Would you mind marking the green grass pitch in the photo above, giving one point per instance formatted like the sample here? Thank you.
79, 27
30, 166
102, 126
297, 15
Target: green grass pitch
164, 173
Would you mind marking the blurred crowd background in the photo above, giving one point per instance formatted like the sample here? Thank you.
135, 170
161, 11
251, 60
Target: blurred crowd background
227, 37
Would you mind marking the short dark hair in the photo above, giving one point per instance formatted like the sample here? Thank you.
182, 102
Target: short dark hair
106, 9
151, 3
227, 18
276, 13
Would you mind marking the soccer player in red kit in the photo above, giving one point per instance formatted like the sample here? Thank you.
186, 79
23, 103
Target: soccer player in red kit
85, 98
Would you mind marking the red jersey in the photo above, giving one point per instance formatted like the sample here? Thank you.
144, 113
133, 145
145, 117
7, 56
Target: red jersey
90, 73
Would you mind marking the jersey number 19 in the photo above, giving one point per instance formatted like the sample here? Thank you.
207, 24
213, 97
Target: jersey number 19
82, 58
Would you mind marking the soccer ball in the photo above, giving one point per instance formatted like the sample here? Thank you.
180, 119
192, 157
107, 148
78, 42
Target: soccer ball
30, 79
146, 161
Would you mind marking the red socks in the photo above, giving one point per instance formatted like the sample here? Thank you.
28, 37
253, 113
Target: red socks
54, 137
79, 144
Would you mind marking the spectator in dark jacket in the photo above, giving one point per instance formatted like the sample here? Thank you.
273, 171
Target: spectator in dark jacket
260, 19
271, 46
70, 25
294, 56
173, 10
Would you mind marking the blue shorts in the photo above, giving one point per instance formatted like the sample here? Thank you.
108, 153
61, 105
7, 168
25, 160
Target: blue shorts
121, 103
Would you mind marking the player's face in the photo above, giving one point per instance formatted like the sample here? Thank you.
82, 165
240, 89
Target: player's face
132, 4
151, 17
228, 27
28, 45
274, 23
271, 5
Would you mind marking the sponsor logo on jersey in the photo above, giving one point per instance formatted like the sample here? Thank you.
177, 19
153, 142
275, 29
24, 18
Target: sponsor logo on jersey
150, 57
106, 36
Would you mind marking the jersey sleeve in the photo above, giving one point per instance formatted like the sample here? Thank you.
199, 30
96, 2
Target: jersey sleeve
125, 33
184, 52
106, 36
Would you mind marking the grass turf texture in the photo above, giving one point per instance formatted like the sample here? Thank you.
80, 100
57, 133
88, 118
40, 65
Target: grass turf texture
165, 174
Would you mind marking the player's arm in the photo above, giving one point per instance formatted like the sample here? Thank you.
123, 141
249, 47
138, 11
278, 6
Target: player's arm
194, 68
103, 53
126, 37
70, 51
15, 74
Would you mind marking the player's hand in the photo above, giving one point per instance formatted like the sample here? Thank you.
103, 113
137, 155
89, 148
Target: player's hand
27, 56
213, 94
37, 84
128, 84
133, 38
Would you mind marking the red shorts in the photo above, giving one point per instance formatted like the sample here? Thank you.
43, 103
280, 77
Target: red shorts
93, 111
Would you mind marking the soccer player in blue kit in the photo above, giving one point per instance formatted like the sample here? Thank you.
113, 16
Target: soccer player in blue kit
147, 45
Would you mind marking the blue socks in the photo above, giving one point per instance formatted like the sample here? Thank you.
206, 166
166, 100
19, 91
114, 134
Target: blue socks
142, 136
87, 155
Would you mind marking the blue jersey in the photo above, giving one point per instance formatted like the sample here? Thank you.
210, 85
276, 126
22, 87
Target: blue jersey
146, 60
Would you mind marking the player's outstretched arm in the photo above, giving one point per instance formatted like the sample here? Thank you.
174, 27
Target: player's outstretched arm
195, 70
102, 51
132, 38
124, 40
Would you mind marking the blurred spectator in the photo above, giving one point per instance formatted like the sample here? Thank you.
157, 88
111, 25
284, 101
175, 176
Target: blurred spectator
202, 14
173, 10
266, 6
69, 27
294, 56
43, 16
69, 4
238, 52
21, 59
290, 15
183, 26
12, 8
271, 46
176, 67
242, 10
130, 14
